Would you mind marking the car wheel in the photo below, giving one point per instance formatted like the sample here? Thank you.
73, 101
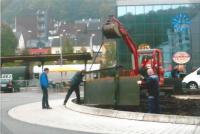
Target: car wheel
192, 85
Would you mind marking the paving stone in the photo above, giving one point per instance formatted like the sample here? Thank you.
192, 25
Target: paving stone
65, 118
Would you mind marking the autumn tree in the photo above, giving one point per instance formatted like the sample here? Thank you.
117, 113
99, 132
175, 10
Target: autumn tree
110, 54
67, 46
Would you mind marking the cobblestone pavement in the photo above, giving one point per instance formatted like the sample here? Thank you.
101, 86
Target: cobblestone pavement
61, 117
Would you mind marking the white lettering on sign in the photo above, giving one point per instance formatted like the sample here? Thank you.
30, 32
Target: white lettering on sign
181, 57
7, 76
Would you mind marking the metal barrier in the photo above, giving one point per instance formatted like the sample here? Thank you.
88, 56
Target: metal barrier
109, 88
26, 85
34, 85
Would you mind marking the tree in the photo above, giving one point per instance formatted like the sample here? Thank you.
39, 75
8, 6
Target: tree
67, 46
8, 41
110, 54
106, 8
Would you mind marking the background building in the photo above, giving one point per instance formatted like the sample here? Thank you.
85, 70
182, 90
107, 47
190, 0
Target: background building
32, 32
170, 25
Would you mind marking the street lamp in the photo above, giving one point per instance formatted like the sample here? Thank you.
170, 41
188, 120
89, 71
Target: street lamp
61, 57
91, 44
30, 35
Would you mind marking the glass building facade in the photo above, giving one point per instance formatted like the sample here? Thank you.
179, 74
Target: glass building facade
171, 27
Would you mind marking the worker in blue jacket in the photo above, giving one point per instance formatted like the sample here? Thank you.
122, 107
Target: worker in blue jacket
74, 86
44, 83
151, 82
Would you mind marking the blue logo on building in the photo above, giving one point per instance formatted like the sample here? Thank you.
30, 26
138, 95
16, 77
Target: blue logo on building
181, 22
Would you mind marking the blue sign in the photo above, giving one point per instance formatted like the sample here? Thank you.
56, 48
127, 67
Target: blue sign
181, 22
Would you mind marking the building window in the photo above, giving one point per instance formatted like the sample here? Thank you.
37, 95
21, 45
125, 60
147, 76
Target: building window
131, 10
139, 10
153, 24
121, 11
148, 9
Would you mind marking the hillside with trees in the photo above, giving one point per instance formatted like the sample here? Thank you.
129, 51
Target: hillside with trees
68, 10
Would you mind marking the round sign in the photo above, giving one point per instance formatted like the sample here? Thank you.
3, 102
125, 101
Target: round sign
181, 57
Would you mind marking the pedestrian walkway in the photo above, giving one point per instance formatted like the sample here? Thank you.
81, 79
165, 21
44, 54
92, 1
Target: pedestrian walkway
186, 97
62, 117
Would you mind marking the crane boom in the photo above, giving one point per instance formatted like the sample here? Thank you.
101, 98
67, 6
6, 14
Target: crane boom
112, 29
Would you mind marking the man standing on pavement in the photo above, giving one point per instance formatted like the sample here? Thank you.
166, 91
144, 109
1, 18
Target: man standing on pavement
175, 72
152, 85
74, 86
44, 83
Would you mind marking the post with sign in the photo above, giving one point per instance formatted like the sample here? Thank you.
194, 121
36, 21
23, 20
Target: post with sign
7, 76
181, 58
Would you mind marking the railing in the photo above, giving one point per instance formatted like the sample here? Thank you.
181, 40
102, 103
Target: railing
103, 73
34, 85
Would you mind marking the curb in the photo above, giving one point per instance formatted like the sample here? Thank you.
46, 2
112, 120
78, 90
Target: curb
176, 119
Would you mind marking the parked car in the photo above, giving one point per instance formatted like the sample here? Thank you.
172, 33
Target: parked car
8, 86
3, 84
192, 80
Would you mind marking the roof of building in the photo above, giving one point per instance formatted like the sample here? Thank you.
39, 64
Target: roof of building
37, 44
71, 28
80, 32
28, 26
154, 2
83, 39
55, 42
47, 57
93, 26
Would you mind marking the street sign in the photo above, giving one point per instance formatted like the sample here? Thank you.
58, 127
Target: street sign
181, 57
7, 76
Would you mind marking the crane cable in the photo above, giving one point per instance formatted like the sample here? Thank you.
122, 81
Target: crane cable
97, 52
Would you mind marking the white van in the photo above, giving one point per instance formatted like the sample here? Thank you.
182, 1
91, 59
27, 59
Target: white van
192, 80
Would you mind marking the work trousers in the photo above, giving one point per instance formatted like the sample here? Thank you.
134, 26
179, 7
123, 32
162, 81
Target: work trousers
45, 103
153, 104
71, 89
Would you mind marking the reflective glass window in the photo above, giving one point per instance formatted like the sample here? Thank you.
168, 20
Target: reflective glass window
140, 16
140, 39
148, 9
140, 19
151, 24
158, 39
121, 11
149, 28
139, 10
131, 9
139, 29
158, 28
184, 5
157, 8
175, 6
166, 7
149, 38
156, 17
